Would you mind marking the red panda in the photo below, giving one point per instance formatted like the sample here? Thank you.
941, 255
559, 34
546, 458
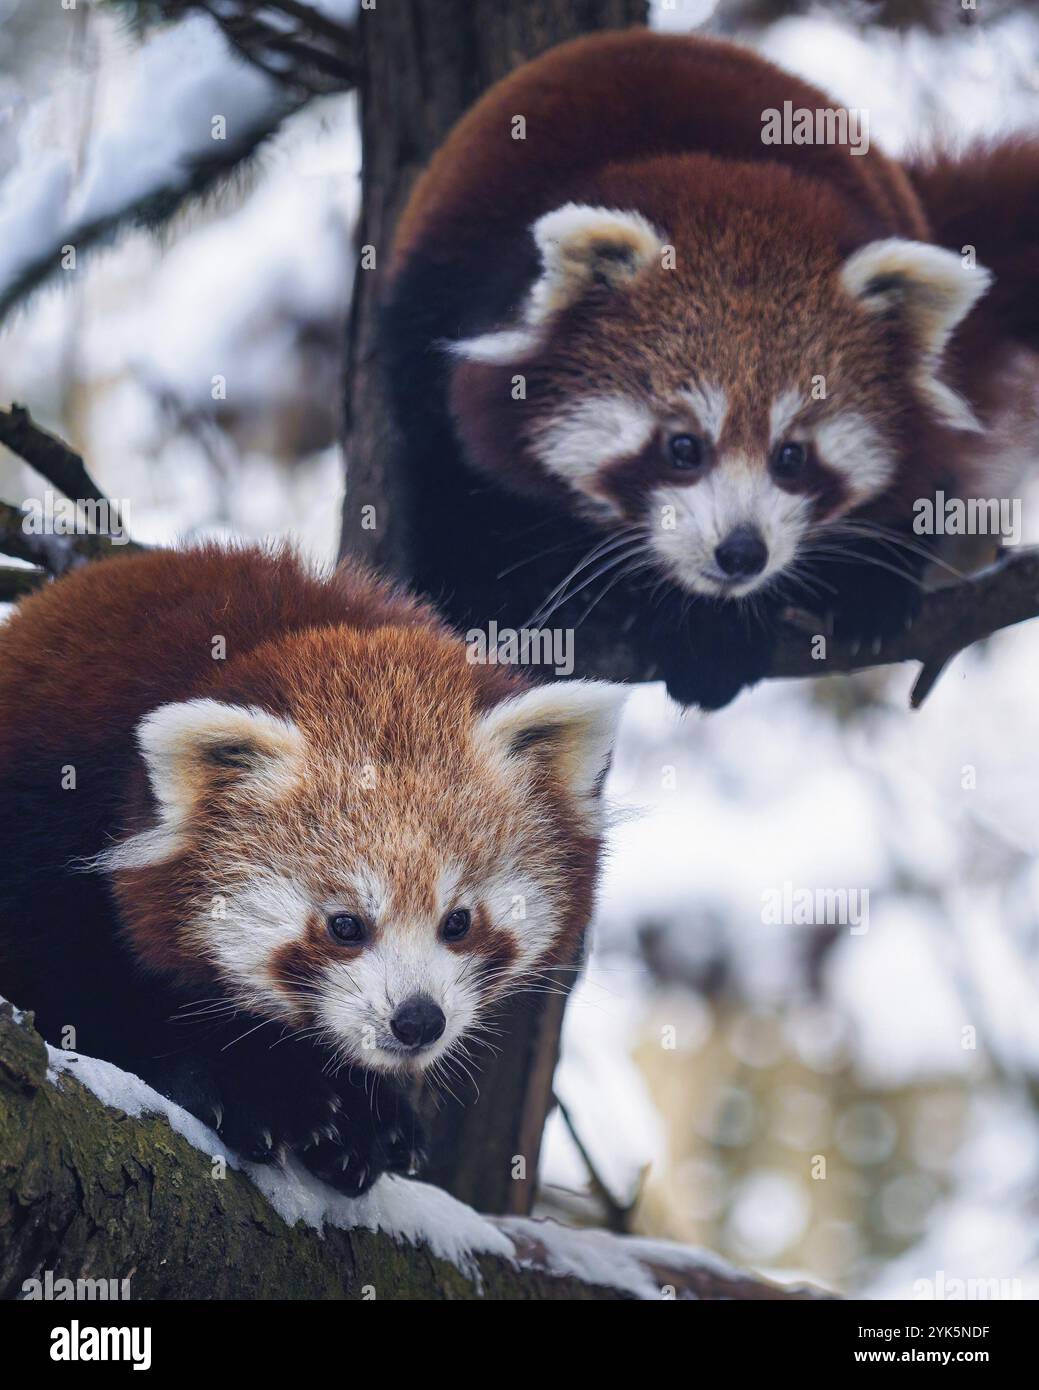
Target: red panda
728, 368
268, 837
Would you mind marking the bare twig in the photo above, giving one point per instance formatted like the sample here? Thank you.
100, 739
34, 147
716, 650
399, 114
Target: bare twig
50, 457
618, 1214
289, 40
950, 620
53, 552
16, 583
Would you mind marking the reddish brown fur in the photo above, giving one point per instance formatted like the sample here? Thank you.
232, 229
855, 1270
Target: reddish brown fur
672, 127
369, 676
620, 97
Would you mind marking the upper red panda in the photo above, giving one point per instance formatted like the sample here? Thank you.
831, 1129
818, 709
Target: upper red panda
235, 794
746, 361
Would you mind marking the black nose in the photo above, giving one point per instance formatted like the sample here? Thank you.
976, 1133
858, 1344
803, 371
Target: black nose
418, 1022
742, 554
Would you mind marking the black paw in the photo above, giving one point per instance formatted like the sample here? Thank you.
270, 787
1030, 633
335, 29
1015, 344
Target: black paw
706, 653
260, 1100
873, 596
375, 1132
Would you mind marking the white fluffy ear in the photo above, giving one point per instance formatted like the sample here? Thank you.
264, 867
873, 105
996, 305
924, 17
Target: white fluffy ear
580, 246
934, 291
570, 726
199, 748
188, 747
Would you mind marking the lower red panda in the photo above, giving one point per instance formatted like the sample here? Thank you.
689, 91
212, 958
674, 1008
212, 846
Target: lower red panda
746, 362
268, 836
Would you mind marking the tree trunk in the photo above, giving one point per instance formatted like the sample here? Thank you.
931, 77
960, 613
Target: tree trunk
89, 1192
424, 62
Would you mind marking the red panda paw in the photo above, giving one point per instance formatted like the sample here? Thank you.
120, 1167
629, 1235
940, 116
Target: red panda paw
261, 1103
870, 603
371, 1136
706, 653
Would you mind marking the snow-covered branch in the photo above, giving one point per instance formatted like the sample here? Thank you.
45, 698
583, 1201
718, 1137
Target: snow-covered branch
311, 46
102, 1177
191, 112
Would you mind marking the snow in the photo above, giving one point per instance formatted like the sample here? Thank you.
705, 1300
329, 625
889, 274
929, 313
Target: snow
407, 1211
918, 87
121, 1090
620, 1262
933, 812
152, 132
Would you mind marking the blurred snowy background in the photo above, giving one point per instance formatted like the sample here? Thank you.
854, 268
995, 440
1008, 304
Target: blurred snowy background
857, 1106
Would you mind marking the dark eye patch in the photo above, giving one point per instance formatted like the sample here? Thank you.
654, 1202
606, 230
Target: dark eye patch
628, 482
816, 480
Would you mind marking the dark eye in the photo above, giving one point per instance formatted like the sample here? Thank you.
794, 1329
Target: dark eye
347, 928
789, 462
456, 924
686, 450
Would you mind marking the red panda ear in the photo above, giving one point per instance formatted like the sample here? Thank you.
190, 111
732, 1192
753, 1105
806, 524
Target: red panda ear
933, 290
569, 727
580, 246
192, 747
583, 246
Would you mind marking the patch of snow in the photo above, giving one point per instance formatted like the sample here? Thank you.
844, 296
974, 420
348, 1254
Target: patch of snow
152, 131
680, 16
916, 86
408, 1211
600, 1257
123, 1091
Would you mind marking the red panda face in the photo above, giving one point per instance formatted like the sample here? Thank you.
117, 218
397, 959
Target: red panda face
369, 855
726, 385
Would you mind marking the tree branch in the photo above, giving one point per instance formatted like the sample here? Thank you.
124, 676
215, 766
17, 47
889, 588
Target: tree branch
197, 164
55, 553
950, 620
16, 583
50, 457
292, 42
94, 1192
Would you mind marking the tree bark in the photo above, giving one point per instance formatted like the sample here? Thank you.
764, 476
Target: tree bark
423, 63
89, 1192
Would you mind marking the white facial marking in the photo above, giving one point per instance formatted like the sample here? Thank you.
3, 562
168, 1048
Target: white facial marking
710, 404
782, 414
243, 931
857, 450
356, 999
577, 442
518, 904
736, 492
367, 892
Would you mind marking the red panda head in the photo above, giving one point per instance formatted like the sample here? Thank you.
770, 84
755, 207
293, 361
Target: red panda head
357, 835
716, 356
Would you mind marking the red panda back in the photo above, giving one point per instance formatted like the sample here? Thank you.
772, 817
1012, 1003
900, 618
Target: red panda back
619, 97
162, 611
138, 632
